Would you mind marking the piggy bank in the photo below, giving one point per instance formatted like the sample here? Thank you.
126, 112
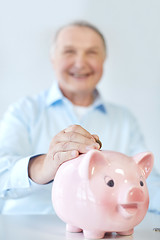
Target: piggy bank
102, 191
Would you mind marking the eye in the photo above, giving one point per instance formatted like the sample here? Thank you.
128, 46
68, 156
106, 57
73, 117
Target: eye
68, 51
109, 181
141, 183
92, 52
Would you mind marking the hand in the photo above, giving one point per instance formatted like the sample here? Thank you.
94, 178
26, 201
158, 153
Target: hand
66, 145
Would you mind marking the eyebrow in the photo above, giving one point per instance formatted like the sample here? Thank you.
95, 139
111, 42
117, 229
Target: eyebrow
68, 46
93, 48
89, 48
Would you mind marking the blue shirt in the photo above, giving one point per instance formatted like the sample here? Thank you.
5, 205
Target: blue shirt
27, 129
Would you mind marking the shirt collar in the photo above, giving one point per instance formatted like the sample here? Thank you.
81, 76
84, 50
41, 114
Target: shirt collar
99, 102
55, 96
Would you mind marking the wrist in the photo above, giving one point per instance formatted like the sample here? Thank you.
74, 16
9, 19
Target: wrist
35, 169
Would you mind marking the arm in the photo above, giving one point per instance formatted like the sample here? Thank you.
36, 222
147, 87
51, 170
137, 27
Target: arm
20, 171
153, 183
15, 151
66, 145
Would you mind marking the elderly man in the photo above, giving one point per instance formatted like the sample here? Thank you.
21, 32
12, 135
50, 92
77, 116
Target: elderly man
39, 133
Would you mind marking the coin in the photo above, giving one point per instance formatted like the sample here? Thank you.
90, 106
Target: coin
99, 142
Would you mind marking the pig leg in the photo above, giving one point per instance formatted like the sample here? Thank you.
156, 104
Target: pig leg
126, 233
93, 234
71, 228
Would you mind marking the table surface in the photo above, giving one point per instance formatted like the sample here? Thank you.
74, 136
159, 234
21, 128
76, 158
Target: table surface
50, 227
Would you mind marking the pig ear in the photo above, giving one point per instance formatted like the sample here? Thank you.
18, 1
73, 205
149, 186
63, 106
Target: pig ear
91, 163
145, 161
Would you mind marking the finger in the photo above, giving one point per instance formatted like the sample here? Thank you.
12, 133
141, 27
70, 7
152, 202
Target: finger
70, 146
95, 136
74, 137
78, 129
97, 139
61, 157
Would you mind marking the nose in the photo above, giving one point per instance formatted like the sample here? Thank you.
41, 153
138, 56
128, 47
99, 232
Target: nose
135, 195
79, 61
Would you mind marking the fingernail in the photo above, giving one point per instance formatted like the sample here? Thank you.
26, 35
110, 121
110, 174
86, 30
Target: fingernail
96, 145
93, 146
94, 140
74, 153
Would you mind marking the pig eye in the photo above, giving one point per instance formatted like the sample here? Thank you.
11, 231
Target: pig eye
109, 181
141, 183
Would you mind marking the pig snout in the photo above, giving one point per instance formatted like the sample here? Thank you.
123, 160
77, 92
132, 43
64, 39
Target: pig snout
135, 195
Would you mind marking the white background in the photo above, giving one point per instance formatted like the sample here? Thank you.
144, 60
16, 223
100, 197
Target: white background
131, 74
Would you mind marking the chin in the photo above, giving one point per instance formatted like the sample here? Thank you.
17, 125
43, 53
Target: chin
81, 90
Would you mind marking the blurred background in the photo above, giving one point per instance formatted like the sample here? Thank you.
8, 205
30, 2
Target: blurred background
132, 70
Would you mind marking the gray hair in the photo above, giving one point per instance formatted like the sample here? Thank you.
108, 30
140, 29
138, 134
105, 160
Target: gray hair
79, 24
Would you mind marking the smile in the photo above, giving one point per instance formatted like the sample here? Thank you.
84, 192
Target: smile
80, 75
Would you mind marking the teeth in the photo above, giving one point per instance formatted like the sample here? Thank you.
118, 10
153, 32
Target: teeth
79, 75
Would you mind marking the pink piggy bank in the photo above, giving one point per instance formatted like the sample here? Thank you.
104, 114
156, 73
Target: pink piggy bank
102, 191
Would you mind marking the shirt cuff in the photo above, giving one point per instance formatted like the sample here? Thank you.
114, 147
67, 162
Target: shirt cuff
18, 183
19, 174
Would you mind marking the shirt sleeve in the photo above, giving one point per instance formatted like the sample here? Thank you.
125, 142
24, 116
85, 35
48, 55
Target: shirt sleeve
153, 183
15, 152
136, 139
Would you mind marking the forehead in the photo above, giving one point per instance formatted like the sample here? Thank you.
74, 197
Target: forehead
79, 36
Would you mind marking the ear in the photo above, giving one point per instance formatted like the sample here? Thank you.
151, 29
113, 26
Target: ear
92, 162
145, 161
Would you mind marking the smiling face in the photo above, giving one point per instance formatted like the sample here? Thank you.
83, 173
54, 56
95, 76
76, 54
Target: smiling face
78, 62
